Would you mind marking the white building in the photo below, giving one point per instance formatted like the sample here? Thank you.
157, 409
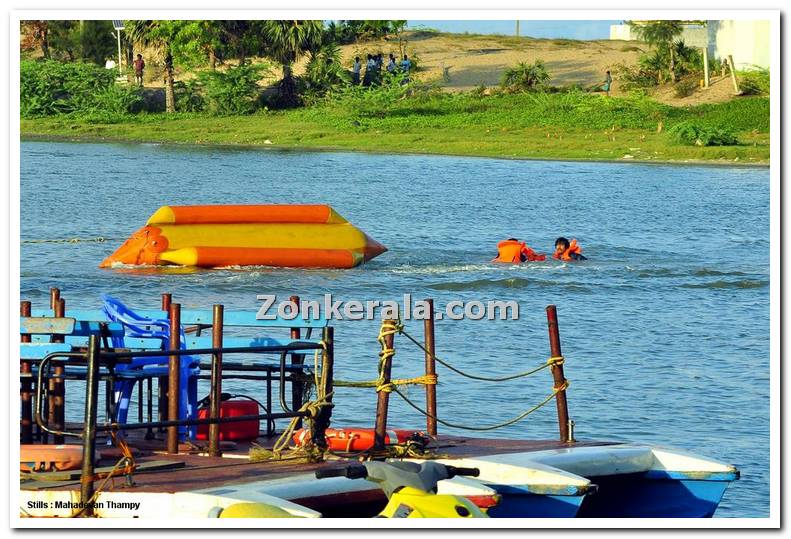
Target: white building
746, 40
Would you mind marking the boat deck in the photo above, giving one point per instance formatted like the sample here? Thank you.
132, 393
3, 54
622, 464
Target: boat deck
189, 470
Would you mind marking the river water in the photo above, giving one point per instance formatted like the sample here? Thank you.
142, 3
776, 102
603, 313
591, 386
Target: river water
665, 328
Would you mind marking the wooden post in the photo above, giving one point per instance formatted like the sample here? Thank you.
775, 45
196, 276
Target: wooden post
174, 371
383, 397
557, 374
322, 422
296, 359
57, 413
732, 67
431, 369
25, 387
706, 67
215, 395
89, 427
162, 388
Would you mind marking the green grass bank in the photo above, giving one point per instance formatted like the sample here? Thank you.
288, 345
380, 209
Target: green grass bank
564, 125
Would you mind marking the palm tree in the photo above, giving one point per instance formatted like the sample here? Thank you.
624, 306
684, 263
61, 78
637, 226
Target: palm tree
287, 41
660, 34
160, 35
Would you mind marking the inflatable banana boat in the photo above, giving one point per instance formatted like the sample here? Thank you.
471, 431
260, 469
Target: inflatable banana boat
302, 236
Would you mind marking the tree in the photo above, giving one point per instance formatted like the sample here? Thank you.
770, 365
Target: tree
286, 42
172, 38
660, 34
35, 34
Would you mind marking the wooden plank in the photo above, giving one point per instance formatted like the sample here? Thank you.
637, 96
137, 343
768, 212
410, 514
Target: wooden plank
74, 475
40, 350
189, 317
46, 326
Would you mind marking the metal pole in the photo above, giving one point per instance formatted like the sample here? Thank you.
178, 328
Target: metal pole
706, 66
120, 73
517, 28
25, 389
56, 414
557, 373
296, 359
431, 368
383, 397
89, 428
174, 366
215, 395
732, 67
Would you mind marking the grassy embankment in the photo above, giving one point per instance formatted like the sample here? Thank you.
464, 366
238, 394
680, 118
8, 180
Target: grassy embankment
541, 126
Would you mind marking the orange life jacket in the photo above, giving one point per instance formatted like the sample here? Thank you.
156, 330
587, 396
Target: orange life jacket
573, 248
510, 251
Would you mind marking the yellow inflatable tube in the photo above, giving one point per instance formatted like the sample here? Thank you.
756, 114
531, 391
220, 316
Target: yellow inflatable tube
306, 236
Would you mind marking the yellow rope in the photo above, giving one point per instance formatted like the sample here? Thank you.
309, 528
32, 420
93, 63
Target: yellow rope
99, 239
551, 362
427, 379
518, 418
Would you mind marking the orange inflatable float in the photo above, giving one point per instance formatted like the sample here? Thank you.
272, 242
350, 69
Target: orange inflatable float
353, 439
302, 236
49, 458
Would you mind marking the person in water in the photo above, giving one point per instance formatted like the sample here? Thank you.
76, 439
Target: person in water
568, 250
514, 251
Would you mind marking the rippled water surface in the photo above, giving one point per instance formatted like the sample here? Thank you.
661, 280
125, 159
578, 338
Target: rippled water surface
665, 328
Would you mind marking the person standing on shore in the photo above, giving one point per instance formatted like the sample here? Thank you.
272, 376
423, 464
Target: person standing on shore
607, 83
139, 65
391, 64
356, 71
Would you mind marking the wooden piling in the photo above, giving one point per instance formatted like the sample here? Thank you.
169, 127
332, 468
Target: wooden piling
706, 67
297, 387
162, 388
57, 390
25, 386
557, 374
174, 368
431, 369
383, 397
322, 421
215, 394
89, 426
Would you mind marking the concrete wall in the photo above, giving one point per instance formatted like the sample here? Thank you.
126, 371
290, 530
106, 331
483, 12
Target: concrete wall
747, 41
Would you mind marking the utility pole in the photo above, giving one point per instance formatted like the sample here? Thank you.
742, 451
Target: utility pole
119, 25
517, 28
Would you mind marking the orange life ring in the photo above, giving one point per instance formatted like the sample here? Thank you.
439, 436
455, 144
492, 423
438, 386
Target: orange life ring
47, 458
354, 439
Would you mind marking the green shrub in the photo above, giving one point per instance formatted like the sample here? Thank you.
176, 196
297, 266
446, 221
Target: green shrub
685, 88
691, 133
189, 96
234, 91
50, 87
754, 82
525, 77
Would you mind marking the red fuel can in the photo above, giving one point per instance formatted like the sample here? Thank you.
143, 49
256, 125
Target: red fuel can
238, 431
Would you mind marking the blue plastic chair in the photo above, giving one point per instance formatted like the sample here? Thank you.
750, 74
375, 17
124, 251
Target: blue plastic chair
140, 368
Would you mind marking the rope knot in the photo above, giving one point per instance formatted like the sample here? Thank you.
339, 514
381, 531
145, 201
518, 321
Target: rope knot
555, 361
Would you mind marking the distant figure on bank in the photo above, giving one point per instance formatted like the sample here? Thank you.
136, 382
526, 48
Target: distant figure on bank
356, 70
391, 64
607, 83
139, 66
724, 68
567, 250
513, 251
370, 66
